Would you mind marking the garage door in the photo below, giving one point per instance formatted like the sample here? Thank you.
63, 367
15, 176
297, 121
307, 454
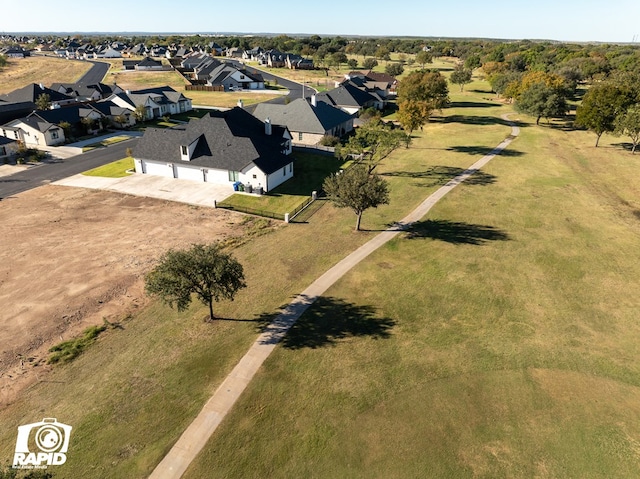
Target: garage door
158, 169
186, 173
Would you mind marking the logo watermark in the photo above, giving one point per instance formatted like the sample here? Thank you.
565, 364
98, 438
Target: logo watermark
42, 444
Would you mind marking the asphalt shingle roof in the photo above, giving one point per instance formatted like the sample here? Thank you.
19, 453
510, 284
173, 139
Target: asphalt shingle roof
300, 115
229, 140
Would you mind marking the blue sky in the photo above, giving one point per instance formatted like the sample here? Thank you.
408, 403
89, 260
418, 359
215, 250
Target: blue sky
568, 20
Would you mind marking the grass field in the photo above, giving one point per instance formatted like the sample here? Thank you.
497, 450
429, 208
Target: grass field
117, 169
497, 338
40, 69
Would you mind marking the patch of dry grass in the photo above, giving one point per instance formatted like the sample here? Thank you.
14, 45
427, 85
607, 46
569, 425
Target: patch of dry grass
40, 69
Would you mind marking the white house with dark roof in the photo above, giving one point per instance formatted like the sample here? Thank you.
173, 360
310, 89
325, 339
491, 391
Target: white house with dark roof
8, 147
350, 98
221, 147
33, 132
230, 78
157, 102
308, 121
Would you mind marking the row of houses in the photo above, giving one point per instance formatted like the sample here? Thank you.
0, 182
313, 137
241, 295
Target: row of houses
77, 109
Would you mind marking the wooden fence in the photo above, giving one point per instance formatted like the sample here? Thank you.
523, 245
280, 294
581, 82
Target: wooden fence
203, 88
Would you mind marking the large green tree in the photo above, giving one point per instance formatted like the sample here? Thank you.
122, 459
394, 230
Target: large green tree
540, 100
423, 57
372, 143
429, 86
358, 189
412, 115
204, 270
460, 76
628, 124
600, 107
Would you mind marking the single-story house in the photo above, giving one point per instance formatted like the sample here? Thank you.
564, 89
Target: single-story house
83, 92
32, 92
14, 52
350, 98
308, 121
8, 147
221, 147
33, 132
119, 116
157, 102
232, 78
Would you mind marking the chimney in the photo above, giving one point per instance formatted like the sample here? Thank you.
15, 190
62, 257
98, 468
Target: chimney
314, 102
267, 127
240, 103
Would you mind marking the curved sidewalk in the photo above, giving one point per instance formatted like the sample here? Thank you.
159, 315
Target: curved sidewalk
194, 438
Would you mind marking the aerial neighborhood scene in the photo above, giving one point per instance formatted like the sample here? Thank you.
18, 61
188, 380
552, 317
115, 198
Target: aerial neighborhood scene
320, 241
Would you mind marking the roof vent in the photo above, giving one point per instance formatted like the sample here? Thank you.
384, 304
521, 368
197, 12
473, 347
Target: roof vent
267, 126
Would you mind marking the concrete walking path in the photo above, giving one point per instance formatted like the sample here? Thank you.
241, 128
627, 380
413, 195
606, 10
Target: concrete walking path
194, 438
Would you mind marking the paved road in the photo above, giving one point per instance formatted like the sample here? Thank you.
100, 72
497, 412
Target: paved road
59, 169
197, 434
96, 74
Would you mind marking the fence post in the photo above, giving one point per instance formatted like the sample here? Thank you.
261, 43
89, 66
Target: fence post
215, 204
286, 217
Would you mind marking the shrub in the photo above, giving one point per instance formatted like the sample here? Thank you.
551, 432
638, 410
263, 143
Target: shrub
329, 140
68, 350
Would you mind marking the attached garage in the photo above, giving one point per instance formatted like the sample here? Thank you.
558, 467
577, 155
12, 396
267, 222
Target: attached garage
188, 173
153, 168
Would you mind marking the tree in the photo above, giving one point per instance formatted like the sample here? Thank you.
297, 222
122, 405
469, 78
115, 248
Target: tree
353, 63
43, 102
204, 270
628, 124
370, 63
540, 100
372, 143
424, 57
88, 123
338, 58
429, 86
358, 189
66, 127
600, 107
140, 113
394, 69
460, 76
413, 114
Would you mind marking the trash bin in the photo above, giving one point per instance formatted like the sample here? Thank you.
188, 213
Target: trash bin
236, 186
240, 187
248, 188
258, 190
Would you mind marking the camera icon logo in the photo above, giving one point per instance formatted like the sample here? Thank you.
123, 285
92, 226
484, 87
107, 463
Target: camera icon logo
42, 444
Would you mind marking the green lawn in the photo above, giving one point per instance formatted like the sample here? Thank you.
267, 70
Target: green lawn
497, 338
106, 142
310, 170
117, 169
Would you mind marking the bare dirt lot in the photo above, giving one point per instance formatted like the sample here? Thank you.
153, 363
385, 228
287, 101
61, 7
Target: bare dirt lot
72, 257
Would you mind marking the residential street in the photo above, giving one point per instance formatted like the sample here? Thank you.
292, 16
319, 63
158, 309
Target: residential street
59, 169
96, 74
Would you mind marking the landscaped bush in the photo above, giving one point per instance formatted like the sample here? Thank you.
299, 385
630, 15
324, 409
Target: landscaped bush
330, 140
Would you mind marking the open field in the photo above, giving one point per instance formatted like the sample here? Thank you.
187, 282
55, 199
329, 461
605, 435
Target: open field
40, 69
498, 338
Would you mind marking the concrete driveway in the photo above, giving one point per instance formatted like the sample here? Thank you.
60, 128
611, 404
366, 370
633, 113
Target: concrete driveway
183, 191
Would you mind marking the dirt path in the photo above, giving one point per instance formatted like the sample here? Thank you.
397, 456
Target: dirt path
195, 437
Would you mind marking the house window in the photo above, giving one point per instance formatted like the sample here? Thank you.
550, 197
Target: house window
54, 134
290, 167
300, 136
3, 151
184, 150
255, 176
284, 171
234, 175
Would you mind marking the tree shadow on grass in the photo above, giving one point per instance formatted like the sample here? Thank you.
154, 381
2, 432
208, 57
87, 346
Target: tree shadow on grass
477, 120
482, 150
440, 175
472, 104
455, 232
626, 146
330, 320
